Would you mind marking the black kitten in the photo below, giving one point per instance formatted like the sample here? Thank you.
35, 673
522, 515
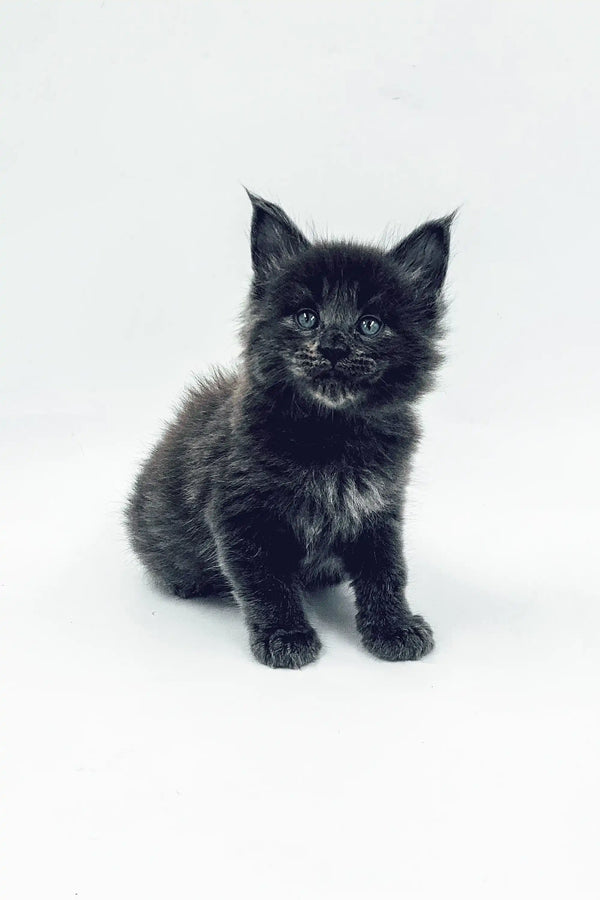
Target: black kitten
289, 474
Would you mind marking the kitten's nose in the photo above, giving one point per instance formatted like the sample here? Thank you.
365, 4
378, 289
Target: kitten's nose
333, 354
334, 347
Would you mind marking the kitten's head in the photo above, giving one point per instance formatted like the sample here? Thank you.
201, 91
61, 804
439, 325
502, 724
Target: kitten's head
343, 325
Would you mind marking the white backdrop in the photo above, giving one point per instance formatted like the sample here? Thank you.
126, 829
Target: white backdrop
145, 753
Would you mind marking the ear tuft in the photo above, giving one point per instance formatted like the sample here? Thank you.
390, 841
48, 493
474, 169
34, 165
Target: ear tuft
273, 235
423, 255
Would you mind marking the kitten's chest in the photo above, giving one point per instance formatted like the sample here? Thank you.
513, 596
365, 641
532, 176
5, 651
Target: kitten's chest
332, 504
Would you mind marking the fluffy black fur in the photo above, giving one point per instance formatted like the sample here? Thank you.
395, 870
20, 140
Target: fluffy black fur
289, 473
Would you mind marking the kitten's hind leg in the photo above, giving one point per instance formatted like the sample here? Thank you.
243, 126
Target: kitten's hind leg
201, 586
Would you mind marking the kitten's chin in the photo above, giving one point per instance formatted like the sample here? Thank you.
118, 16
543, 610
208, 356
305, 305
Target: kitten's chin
333, 394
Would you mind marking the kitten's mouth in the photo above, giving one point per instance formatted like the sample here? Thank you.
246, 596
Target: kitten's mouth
333, 386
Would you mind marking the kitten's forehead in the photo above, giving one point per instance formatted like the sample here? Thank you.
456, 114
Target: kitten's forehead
341, 277
337, 297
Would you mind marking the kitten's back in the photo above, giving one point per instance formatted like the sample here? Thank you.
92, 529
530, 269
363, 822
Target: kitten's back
172, 486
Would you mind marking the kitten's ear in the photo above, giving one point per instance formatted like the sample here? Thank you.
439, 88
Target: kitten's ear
423, 255
273, 235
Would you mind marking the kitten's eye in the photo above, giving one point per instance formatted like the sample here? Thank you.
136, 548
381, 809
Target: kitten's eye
369, 325
306, 318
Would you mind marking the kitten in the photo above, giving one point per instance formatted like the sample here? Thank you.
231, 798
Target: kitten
289, 473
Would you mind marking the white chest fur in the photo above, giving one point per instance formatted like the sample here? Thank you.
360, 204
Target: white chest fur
335, 504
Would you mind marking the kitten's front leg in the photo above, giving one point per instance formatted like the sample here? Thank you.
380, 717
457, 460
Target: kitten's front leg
261, 564
387, 626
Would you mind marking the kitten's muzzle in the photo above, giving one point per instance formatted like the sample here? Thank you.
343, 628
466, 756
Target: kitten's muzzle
334, 354
334, 345
312, 363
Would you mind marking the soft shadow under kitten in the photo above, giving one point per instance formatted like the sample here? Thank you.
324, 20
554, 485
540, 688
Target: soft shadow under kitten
289, 473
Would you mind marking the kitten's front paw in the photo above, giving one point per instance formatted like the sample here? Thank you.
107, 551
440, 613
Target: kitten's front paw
411, 640
282, 649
